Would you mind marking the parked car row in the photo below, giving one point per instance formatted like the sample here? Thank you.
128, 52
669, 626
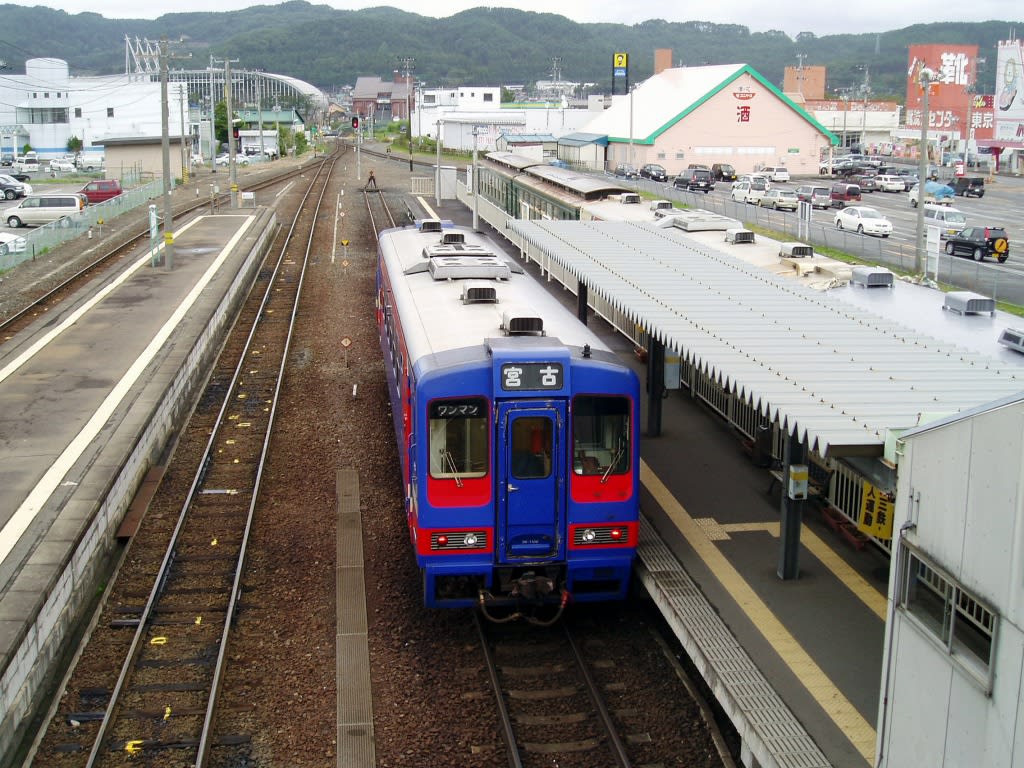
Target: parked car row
36, 209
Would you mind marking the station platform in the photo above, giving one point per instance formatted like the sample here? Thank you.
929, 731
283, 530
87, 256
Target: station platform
90, 395
796, 664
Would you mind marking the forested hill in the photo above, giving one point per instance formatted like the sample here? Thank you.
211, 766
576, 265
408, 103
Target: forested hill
482, 46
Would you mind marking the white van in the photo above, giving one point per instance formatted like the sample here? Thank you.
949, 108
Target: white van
25, 164
949, 220
39, 209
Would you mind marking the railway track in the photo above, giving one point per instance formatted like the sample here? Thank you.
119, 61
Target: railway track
164, 704
550, 707
377, 209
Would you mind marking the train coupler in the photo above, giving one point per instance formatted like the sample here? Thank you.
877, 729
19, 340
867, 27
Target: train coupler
532, 587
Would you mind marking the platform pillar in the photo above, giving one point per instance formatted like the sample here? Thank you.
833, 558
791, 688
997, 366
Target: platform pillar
791, 512
655, 385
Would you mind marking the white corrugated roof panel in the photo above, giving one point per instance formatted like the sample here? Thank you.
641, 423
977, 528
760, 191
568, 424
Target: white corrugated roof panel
837, 374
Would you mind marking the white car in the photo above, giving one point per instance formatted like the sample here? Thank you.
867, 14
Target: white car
749, 191
776, 173
779, 198
62, 166
11, 243
864, 220
225, 158
889, 183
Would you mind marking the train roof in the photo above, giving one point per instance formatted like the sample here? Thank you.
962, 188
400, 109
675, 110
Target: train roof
453, 288
577, 182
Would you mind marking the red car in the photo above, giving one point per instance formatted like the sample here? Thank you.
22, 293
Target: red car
101, 190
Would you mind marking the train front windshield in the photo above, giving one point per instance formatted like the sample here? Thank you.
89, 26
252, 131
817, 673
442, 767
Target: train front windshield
459, 444
601, 435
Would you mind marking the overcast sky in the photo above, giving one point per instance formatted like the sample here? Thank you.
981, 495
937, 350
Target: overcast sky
790, 16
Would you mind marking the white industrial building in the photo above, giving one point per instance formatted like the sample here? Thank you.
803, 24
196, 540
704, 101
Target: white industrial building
47, 106
454, 114
952, 690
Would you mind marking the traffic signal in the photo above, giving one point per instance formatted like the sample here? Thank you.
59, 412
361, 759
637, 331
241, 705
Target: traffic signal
234, 131
355, 123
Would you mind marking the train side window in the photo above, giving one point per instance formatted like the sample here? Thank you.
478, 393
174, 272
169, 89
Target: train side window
459, 444
601, 435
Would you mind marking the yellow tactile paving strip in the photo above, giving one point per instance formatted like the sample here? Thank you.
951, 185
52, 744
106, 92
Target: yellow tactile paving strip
702, 536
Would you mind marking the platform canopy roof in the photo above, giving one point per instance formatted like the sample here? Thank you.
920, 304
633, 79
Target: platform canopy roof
831, 373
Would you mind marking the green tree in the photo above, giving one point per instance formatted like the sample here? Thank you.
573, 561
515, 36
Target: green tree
301, 145
220, 123
74, 145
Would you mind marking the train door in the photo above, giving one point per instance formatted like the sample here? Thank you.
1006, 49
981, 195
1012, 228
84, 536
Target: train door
531, 455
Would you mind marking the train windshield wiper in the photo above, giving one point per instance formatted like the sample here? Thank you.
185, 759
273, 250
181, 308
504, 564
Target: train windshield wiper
449, 461
613, 462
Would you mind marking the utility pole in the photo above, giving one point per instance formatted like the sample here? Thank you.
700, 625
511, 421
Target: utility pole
165, 151
408, 65
233, 171
185, 164
259, 112
213, 123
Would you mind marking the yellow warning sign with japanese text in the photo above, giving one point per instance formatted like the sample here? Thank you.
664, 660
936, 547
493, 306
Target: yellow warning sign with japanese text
875, 512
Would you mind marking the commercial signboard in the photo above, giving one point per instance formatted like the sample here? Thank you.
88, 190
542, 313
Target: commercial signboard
1009, 95
953, 107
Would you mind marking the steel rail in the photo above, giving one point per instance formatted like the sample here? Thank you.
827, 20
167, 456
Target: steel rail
160, 582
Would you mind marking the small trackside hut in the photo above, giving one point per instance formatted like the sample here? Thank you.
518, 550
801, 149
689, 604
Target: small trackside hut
517, 428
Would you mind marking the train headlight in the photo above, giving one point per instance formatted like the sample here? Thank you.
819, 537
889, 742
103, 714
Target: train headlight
471, 540
588, 536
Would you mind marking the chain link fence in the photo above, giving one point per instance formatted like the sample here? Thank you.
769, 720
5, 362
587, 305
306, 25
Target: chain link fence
39, 240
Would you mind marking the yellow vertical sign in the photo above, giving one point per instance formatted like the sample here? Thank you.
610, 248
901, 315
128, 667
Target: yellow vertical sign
875, 512
620, 60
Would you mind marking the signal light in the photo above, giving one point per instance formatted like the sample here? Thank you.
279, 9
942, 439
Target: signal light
355, 123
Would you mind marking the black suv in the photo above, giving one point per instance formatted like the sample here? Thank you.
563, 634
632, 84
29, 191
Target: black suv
969, 186
695, 180
654, 172
626, 171
979, 242
723, 172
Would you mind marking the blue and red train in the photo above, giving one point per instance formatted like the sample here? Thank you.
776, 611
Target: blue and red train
517, 427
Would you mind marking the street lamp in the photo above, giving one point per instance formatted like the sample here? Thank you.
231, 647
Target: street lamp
925, 78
